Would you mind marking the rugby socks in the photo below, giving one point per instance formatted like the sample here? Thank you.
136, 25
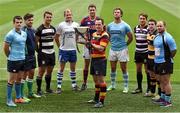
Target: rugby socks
59, 79
85, 76
39, 82
48, 81
139, 79
73, 78
102, 92
125, 77
97, 92
159, 88
168, 98
153, 84
9, 92
30, 85
113, 79
148, 82
18, 90
163, 95
22, 87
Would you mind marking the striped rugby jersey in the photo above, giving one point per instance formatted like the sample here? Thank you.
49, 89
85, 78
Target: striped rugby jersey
99, 39
141, 39
150, 39
46, 36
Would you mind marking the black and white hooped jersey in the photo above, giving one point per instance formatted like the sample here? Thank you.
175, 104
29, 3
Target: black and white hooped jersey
46, 36
141, 39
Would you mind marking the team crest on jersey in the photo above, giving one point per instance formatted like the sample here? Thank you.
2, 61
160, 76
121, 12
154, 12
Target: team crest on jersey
14, 71
97, 72
163, 71
43, 62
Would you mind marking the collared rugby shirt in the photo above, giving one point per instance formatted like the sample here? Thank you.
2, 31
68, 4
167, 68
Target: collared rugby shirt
150, 39
141, 39
99, 39
46, 39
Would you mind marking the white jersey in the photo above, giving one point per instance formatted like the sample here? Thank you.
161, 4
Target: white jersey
67, 35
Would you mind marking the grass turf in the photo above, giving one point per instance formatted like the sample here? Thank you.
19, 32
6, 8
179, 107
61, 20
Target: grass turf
70, 101
116, 101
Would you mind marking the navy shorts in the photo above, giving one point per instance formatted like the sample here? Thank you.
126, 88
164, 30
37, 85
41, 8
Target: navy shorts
150, 64
98, 66
15, 66
30, 63
67, 56
46, 59
163, 68
140, 57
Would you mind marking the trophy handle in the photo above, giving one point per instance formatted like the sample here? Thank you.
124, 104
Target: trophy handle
89, 40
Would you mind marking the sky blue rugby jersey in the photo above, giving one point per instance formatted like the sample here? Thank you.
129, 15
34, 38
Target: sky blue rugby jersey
17, 45
159, 47
118, 34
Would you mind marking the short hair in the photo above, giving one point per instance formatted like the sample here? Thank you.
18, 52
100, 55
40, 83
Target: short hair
152, 20
47, 12
164, 23
143, 14
16, 17
92, 5
27, 16
118, 8
67, 10
102, 20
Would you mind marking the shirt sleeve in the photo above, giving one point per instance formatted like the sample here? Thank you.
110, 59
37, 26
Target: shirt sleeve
59, 29
82, 22
171, 43
38, 32
8, 38
128, 28
104, 41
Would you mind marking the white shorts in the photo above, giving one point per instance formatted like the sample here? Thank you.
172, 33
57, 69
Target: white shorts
86, 54
121, 56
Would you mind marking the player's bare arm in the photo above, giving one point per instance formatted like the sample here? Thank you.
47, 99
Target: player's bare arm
37, 42
6, 48
130, 38
56, 37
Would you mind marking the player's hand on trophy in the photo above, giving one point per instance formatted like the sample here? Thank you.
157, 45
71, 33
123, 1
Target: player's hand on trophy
88, 44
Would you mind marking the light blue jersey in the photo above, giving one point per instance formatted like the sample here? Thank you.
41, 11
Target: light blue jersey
159, 47
16, 42
118, 33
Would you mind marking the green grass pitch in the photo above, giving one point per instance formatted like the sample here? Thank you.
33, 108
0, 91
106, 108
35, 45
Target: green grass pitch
69, 101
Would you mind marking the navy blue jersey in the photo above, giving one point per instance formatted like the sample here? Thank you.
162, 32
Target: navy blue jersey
86, 21
30, 42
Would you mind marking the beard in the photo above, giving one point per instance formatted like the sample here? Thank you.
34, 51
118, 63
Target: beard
161, 31
117, 18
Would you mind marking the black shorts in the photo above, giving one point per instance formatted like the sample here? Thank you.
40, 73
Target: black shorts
163, 68
150, 64
30, 63
46, 59
98, 66
15, 66
140, 57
